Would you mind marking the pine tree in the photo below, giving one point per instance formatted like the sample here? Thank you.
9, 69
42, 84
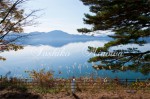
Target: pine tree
130, 22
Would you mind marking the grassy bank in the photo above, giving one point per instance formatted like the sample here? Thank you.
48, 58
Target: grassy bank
43, 84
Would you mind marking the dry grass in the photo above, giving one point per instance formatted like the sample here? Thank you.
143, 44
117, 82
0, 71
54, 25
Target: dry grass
86, 88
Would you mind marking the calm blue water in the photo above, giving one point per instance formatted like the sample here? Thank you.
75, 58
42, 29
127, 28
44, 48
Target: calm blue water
70, 60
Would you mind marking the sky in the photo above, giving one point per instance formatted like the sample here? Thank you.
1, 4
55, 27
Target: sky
65, 15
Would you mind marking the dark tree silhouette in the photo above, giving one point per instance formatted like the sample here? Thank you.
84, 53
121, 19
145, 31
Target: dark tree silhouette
130, 22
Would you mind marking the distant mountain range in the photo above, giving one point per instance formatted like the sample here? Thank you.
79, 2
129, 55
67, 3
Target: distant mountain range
54, 38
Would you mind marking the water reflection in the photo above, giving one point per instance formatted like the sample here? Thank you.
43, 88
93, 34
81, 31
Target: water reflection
66, 61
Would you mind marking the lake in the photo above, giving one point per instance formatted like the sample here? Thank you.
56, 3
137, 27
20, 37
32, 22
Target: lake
65, 61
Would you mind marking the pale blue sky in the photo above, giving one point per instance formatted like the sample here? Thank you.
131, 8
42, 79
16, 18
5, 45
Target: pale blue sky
65, 15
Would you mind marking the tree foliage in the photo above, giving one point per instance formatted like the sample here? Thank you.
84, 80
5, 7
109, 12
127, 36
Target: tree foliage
130, 22
12, 20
